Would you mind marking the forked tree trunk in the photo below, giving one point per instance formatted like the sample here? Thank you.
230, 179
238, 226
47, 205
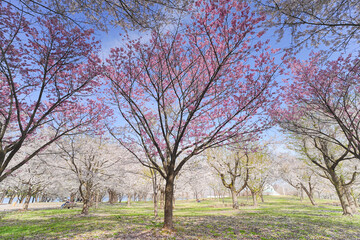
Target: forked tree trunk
168, 208
309, 194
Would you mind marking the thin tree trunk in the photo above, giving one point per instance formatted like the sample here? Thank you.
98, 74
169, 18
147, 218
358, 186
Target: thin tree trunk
129, 200
162, 197
155, 194
155, 205
97, 195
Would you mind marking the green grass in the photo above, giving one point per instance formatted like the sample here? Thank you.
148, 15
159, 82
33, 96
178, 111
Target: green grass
277, 218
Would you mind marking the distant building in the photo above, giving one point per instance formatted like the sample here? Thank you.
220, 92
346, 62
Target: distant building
269, 190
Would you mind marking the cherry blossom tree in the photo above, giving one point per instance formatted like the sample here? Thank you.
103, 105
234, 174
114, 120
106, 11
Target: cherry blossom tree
299, 174
259, 166
232, 166
47, 75
322, 107
102, 14
326, 92
333, 23
88, 158
196, 86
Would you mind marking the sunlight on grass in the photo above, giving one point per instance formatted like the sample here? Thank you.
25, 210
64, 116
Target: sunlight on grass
276, 218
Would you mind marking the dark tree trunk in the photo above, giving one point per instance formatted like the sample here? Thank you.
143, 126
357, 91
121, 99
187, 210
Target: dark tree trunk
11, 199
169, 195
112, 196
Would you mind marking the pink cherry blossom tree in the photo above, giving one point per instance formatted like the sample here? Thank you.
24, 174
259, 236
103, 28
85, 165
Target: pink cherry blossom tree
199, 85
47, 75
322, 110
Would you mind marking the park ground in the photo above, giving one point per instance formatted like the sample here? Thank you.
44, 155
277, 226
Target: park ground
277, 218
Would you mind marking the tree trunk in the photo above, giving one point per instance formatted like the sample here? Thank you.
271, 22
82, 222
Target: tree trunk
262, 197
86, 205
309, 194
169, 195
301, 193
343, 199
355, 199
11, 199
162, 197
234, 198
254, 198
97, 196
120, 197
129, 200
155, 195
112, 196
155, 205
350, 199
3, 195
72, 197
27, 199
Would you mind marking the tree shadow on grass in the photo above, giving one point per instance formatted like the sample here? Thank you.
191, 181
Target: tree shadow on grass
241, 225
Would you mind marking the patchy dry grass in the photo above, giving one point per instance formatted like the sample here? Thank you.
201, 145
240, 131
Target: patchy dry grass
277, 218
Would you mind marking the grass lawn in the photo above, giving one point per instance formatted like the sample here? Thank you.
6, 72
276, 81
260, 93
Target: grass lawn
277, 218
